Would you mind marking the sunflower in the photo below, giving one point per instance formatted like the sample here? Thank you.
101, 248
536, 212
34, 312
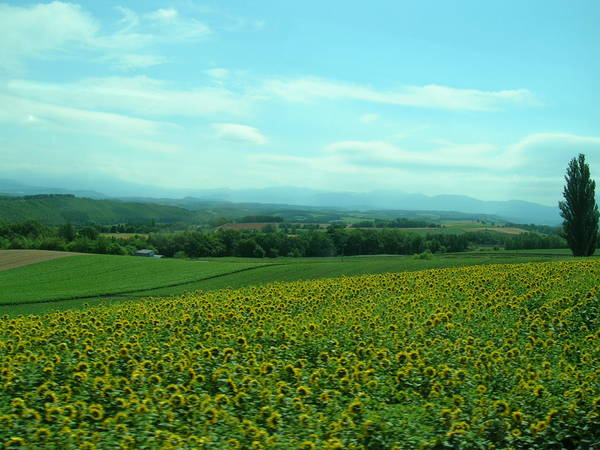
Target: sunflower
274, 420
303, 391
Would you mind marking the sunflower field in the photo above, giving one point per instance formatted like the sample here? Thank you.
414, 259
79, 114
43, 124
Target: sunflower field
502, 356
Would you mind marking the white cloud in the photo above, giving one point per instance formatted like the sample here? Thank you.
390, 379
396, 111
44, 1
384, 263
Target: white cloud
163, 14
133, 95
429, 96
42, 31
58, 29
531, 168
550, 153
32, 113
369, 118
173, 26
219, 73
239, 133
383, 154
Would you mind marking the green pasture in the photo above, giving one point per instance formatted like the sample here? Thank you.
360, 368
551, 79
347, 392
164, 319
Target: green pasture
312, 268
541, 252
103, 275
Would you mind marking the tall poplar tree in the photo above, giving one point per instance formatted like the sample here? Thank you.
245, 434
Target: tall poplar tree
579, 209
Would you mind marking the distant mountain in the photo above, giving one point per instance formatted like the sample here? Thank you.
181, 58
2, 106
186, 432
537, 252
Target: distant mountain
10, 187
516, 211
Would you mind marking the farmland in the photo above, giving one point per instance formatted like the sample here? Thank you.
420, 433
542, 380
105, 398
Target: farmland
91, 279
100, 275
9, 259
445, 358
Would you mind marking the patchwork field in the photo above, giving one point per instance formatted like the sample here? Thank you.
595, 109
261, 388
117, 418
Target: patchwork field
9, 259
504, 230
123, 235
101, 275
502, 355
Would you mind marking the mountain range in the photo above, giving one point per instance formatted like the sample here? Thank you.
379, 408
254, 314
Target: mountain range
516, 211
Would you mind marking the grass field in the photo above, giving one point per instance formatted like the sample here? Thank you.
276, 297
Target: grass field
544, 252
101, 279
100, 275
311, 269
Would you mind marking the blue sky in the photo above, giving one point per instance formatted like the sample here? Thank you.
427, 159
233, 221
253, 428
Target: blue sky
487, 99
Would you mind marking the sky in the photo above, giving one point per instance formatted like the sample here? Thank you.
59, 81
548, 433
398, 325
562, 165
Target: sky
487, 99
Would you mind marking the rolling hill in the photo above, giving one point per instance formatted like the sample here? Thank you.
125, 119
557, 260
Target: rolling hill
58, 208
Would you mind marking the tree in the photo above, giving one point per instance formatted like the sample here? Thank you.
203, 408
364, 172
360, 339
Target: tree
67, 232
580, 211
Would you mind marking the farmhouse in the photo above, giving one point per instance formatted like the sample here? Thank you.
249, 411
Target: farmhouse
147, 253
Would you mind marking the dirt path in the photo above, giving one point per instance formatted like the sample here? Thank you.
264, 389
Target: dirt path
9, 259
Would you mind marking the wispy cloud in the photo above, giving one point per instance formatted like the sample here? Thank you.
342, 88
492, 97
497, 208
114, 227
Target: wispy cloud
141, 95
57, 29
42, 31
219, 73
429, 96
455, 161
239, 133
25, 112
549, 153
369, 118
384, 154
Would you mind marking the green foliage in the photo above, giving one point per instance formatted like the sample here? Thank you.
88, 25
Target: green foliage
527, 241
260, 219
579, 209
67, 232
424, 255
252, 244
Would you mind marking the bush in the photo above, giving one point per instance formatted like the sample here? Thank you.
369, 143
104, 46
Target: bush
424, 255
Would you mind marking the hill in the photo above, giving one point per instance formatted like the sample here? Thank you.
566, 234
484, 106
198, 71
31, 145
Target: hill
222, 201
513, 210
62, 208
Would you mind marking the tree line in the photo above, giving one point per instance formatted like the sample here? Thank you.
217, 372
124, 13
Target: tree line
335, 241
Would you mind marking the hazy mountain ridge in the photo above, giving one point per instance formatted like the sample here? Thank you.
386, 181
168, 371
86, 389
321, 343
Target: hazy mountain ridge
517, 211
14, 188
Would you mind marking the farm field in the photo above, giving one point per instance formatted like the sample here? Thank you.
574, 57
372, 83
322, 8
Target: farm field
98, 275
470, 357
9, 259
99, 282
472, 227
313, 268
123, 235
543, 252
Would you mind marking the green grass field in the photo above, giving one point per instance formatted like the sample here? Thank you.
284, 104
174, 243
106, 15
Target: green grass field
310, 269
81, 281
545, 252
102, 275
